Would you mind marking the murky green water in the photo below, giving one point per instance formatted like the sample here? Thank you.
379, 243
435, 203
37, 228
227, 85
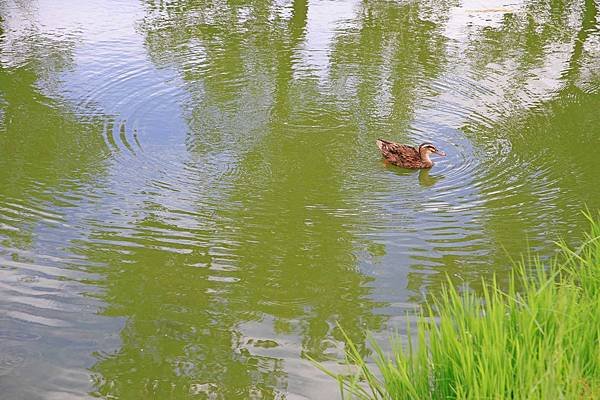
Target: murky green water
191, 196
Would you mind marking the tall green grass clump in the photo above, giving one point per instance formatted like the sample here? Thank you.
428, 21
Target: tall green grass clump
538, 339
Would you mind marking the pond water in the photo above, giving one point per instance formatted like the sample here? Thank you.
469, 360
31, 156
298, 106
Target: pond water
191, 197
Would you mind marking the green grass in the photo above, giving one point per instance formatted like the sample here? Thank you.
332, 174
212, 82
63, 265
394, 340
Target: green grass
538, 339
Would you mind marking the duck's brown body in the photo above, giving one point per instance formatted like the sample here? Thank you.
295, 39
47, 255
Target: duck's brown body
407, 156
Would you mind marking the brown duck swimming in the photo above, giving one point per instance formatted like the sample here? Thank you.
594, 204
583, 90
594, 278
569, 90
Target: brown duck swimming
406, 156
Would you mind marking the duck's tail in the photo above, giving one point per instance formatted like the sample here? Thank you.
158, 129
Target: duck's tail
381, 143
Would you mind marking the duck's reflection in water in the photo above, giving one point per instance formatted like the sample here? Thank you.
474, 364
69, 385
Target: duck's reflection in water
427, 180
425, 177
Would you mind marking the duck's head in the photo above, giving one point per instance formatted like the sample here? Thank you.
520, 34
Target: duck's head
425, 149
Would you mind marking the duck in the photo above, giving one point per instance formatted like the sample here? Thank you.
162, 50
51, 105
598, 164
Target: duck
406, 156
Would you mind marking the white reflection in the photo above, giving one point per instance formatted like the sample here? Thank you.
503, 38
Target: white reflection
325, 18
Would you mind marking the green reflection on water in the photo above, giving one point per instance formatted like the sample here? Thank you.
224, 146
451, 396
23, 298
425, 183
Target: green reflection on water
231, 255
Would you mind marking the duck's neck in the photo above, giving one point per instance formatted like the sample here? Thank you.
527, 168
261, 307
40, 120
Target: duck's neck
425, 157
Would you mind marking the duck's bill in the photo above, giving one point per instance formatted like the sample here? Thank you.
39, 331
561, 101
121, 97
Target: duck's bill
440, 153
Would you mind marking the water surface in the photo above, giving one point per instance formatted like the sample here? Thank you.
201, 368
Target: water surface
191, 197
